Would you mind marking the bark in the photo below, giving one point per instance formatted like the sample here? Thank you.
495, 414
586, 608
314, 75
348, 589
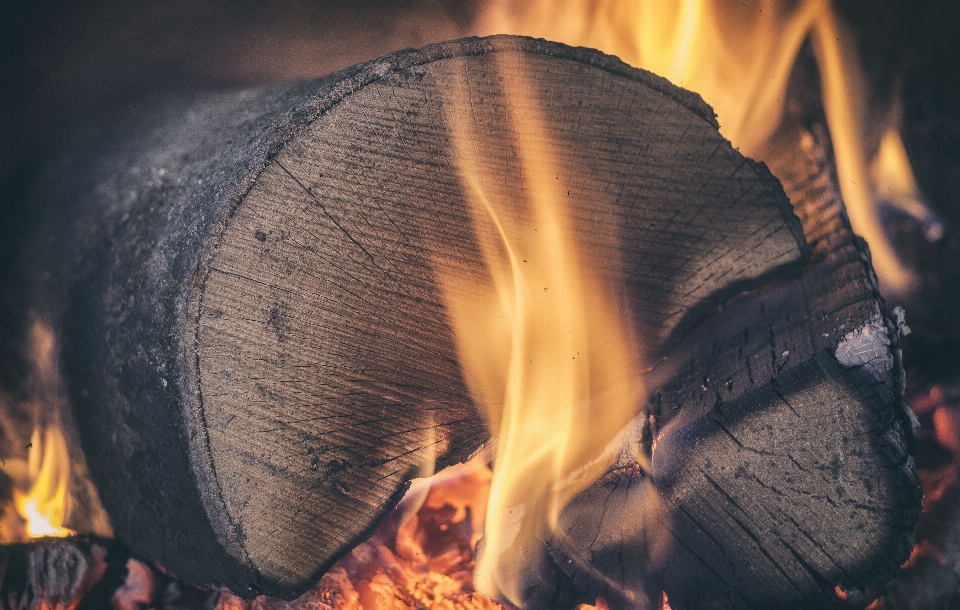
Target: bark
89, 573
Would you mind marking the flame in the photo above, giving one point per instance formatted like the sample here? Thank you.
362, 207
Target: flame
542, 342
894, 183
45, 504
739, 56
49, 486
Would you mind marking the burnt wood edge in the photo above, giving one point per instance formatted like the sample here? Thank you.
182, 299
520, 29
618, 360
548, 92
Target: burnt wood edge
734, 289
333, 90
903, 422
46, 569
894, 323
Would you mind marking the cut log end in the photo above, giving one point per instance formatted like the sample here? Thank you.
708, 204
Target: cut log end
327, 373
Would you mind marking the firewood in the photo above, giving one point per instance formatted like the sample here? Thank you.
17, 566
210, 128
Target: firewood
89, 573
254, 339
77, 572
780, 476
52, 571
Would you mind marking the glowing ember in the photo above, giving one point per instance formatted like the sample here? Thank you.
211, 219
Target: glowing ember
739, 56
421, 557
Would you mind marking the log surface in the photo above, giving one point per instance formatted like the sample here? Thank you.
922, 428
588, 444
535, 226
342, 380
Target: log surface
811, 437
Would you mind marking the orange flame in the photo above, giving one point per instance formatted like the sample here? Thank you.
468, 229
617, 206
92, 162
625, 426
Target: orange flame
739, 56
542, 342
41, 479
44, 503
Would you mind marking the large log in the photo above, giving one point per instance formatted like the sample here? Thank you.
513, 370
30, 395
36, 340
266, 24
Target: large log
254, 340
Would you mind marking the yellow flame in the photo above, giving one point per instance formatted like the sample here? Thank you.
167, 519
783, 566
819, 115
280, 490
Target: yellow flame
41, 476
893, 182
739, 55
44, 502
543, 345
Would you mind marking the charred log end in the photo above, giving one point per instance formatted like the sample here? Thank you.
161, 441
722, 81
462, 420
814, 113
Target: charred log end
319, 294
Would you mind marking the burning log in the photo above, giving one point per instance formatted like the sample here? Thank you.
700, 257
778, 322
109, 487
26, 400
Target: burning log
260, 357
55, 572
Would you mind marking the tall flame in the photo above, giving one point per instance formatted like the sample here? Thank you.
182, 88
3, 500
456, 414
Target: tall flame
739, 55
543, 344
45, 504
42, 477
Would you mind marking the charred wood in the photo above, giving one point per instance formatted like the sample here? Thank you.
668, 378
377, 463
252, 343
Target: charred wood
781, 474
89, 573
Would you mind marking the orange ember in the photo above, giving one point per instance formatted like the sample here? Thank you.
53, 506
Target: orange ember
422, 556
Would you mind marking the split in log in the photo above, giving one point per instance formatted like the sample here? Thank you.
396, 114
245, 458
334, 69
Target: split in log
260, 359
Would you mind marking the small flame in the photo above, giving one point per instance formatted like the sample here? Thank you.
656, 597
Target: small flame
45, 504
739, 57
543, 345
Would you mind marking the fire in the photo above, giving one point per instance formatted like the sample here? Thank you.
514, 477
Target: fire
542, 342
43, 501
41, 478
421, 557
739, 57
